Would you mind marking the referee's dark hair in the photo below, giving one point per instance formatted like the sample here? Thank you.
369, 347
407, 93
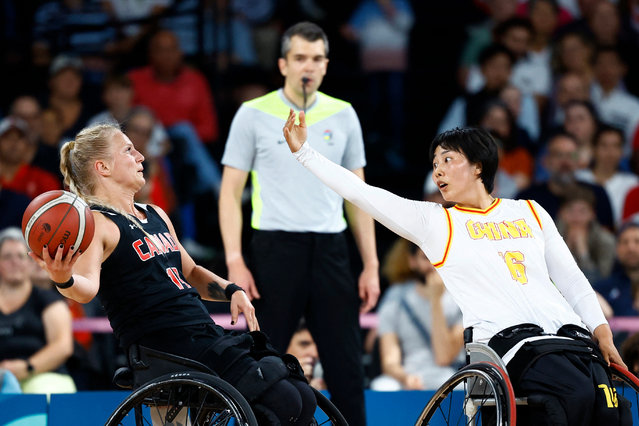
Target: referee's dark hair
477, 145
308, 31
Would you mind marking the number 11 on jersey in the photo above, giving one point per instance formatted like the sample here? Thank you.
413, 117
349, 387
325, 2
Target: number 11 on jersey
515, 263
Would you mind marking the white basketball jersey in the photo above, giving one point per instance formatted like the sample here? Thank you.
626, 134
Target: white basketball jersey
494, 265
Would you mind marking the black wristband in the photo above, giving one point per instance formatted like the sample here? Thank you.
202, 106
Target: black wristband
65, 285
30, 368
230, 289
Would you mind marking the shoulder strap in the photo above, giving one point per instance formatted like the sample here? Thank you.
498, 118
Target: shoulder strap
416, 322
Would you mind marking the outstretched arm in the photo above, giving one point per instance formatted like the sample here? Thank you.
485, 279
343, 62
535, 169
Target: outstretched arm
408, 218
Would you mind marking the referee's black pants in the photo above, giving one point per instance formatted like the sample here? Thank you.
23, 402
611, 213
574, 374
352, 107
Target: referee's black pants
308, 275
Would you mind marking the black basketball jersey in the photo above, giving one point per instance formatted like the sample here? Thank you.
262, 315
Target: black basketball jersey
141, 283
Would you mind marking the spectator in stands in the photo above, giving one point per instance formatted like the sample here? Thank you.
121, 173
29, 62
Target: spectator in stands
616, 106
529, 75
591, 245
38, 321
496, 64
515, 159
480, 36
606, 171
181, 99
605, 23
526, 116
574, 52
29, 110
303, 347
620, 288
544, 18
15, 172
569, 87
45, 146
560, 162
176, 93
117, 95
65, 87
582, 123
420, 327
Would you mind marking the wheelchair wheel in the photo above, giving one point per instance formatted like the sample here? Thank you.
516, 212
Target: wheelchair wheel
478, 394
327, 413
188, 398
627, 385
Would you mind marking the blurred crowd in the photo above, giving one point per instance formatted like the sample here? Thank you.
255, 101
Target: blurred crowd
555, 81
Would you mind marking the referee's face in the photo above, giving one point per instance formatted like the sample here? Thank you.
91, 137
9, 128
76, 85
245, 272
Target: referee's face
305, 59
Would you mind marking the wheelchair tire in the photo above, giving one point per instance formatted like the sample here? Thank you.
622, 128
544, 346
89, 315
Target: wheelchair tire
208, 400
327, 413
627, 385
485, 397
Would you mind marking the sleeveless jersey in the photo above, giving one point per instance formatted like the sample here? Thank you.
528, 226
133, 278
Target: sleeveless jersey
141, 283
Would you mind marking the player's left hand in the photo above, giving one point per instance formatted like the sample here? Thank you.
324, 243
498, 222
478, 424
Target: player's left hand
368, 289
241, 303
603, 336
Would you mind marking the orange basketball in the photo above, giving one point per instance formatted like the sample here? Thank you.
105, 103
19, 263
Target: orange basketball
57, 218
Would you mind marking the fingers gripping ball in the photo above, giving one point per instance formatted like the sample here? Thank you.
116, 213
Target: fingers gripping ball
57, 218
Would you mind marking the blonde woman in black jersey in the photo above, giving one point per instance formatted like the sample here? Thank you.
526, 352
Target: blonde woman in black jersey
149, 285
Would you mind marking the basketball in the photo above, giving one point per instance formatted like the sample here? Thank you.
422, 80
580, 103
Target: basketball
57, 218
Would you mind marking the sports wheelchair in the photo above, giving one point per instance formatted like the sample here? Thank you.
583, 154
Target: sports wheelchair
485, 394
171, 390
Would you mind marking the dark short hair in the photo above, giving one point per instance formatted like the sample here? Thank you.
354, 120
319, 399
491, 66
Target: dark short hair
553, 3
586, 104
560, 133
516, 22
628, 224
610, 49
579, 193
308, 31
606, 128
118, 80
477, 145
493, 50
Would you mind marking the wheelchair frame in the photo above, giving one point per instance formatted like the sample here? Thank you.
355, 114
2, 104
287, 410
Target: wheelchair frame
164, 385
487, 385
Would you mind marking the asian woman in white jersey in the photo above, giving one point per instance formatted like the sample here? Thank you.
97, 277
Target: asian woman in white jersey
507, 267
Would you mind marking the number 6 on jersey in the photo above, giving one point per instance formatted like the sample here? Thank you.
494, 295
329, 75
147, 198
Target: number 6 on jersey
515, 262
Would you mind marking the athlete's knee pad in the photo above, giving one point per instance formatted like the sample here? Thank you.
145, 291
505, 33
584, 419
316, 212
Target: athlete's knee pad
260, 376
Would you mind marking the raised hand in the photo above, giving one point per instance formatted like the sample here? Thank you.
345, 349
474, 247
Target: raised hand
295, 134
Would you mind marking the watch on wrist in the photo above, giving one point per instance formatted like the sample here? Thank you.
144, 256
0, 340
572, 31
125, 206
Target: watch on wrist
30, 368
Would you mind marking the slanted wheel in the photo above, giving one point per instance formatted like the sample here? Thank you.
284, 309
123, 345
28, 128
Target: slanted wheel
484, 397
187, 398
